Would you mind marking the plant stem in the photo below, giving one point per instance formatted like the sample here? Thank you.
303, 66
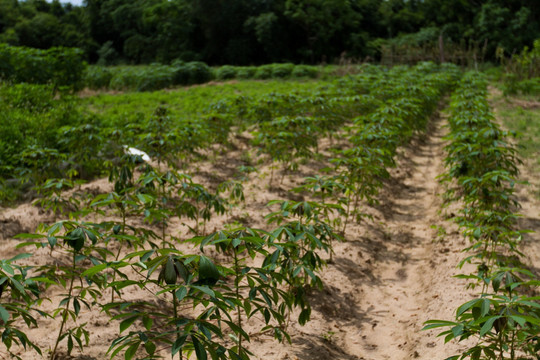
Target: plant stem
175, 310
237, 293
347, 213
64, 313
119, 249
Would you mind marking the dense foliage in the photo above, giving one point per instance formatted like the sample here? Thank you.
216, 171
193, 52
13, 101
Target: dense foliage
245, 32
61, 67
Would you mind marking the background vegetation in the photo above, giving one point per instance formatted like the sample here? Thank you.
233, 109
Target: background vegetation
250, 32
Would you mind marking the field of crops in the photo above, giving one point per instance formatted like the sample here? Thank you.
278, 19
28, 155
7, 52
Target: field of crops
298, 219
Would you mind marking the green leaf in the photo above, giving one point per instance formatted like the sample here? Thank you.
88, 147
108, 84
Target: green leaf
181, 293
182, 270
147, 255
20, 256
207, 270
54, 228
205, 289
199, 349
52, 240
488, 325
304, 316
95, 269
132, 349
486, 304
520, 320
170, 272
4, 315
76, 306
127, 323
457, 330
490, 353
75, 239
91, 236
147, 322
70, 344
150, 347
178, 344
466, 306
29, 236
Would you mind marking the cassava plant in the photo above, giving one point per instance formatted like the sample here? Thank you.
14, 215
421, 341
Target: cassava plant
252, 288
19, 298
295, 246
78, 244
191, 281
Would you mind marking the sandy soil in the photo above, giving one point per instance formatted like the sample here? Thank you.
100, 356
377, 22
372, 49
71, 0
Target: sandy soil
387, 278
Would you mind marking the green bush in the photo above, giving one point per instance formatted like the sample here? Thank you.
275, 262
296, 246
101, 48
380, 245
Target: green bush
124, 79
98, 77
264, 72
200, 73
190, 73
226, 72
181, 73
281, 71
301, 71
246, 72
155, 77
62, 67
512, 86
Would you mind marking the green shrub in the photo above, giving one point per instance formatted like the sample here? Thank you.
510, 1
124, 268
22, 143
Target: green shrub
524, 87
155, 77
226, 72
246, 72
124, 79
98, 77
281, 71
190, 73
62, 67
300, 71
181, 73
264, 72
200, 73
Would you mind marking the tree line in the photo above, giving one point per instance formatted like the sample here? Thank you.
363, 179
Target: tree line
249, 32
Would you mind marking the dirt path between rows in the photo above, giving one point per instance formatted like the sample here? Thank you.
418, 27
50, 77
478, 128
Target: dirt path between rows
391, 275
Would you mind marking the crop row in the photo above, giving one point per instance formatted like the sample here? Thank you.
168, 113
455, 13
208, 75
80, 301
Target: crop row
53, 134
192, 304
481, 175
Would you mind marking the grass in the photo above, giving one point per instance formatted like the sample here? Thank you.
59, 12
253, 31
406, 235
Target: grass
521, 114
525, 121
188, 102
